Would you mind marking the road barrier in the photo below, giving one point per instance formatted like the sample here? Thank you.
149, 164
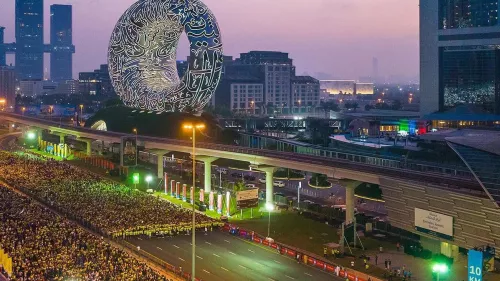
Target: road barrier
300, 255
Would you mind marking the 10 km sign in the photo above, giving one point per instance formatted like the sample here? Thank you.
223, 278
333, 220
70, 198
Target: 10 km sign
475, 266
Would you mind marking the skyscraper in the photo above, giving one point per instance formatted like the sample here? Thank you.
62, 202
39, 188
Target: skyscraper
459, 54
7, 87
2, 47
61, 41
29, 39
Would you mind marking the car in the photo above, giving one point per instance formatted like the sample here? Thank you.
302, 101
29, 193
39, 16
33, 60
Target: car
250, 185
262, 180
222, 170
279, 184
308, 202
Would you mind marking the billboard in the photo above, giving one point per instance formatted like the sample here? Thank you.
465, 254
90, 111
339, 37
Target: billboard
434, 223
129, 151
475, 266
247, 199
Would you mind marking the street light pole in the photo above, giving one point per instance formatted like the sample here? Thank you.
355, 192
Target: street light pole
298, 195
193, 130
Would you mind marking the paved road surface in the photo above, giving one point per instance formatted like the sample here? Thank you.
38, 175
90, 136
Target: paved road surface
223, 257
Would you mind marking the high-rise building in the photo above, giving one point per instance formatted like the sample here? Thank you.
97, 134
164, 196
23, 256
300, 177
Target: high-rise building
29, 39
2, 47
276, 71
97, 82
61, 41
305, 94
8, 86
459, 54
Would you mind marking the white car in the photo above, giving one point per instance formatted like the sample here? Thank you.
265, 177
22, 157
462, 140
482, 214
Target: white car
279, 184
222, 171
249, 186
262, 180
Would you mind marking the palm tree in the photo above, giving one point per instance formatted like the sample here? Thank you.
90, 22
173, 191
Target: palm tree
355, 106
239, 186
328, 106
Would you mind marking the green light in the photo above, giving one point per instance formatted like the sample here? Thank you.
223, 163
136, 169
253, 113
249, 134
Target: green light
440, 268
135, 178
149, 178
31, 136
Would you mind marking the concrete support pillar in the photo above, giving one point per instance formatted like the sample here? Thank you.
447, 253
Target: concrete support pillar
269, 170
207, 161
61, 138
349, 204
269, 187
159, 165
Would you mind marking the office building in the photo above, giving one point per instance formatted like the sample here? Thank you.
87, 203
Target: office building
247, 95
61, 41
8, 86
97, 82
68, 87
364, 88
347, 87
459, 55
31, 88
2, 47
305, 94
29, 39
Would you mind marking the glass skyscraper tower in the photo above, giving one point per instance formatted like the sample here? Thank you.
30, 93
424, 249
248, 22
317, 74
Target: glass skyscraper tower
459, 54
29, 39
61, 41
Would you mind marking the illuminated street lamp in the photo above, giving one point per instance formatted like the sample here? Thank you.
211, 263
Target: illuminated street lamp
81, 114
439, 268
31, 135
300, 103
23, 109
149, 178
269, 208
51, 111
135, 179
136, 156
193, 128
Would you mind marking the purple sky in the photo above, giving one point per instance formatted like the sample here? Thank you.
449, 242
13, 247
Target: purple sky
336, 38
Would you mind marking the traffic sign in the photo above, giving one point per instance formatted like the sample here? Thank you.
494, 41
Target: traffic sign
475, 266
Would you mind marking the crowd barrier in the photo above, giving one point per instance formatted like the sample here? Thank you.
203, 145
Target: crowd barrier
300, 255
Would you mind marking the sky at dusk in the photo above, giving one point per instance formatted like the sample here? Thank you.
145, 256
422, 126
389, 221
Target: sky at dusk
326, 38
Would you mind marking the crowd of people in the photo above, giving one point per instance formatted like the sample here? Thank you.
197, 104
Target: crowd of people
44, 246
110, 207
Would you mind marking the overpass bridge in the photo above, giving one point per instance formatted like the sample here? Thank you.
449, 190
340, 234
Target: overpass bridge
405, 187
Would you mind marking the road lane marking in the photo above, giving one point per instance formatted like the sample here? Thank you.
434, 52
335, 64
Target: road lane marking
242, 266
232, 253
216, 255
290, 277
251, 251
308, 274
208, 243
159, 248
199, 257
277, 261
181, 259
206, 271
224, 268
176, 246
227, 241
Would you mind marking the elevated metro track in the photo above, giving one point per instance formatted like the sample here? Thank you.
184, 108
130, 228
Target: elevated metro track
334, 168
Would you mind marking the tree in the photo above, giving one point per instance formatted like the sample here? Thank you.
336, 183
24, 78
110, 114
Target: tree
396, 105
329, 106
239, 186
368, 107
355, 106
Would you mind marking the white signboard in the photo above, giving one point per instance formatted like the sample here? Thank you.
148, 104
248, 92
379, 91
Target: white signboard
247, 194
434, 222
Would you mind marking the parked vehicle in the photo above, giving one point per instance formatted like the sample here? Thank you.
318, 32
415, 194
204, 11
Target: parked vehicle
279, 184
222, 170
250, 186
262, 180
249, 178
237, 175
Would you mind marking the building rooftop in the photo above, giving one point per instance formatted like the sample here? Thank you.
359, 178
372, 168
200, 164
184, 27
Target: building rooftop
304, 79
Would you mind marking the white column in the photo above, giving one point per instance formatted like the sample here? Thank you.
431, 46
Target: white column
269, 187
349, 204
160, 165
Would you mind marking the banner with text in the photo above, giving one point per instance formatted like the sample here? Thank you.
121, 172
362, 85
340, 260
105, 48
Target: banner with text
247, 199
434, 223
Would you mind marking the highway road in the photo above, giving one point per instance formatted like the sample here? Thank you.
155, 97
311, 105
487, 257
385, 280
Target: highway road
220, 256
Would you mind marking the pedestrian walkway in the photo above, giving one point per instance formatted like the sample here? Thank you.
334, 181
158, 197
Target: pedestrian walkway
422, 269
